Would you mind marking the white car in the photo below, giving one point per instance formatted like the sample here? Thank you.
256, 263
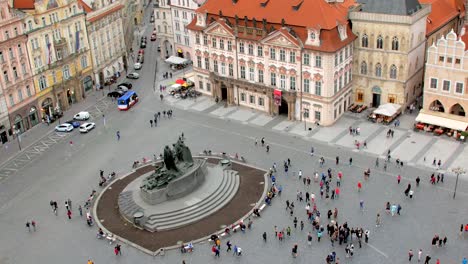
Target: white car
133, 75
86, 127
137, 66
64, 128
81, 116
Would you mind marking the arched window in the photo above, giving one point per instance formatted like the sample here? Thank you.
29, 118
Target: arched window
363, 67
365, 41
379, 42
378, 70
457, 109
395, 43
393, 72
42, 83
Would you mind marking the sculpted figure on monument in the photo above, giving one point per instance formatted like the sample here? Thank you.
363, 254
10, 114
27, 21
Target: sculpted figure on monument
169, 160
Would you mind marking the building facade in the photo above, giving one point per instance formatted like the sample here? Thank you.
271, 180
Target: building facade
58, 51
446, 82
389, 51
16, 82
183, 12
163, 26
105, 32
277, 56
132, 17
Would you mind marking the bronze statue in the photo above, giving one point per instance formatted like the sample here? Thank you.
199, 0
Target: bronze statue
176, 163
169, 161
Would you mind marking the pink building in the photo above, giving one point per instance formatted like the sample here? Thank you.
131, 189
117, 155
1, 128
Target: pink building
16, 78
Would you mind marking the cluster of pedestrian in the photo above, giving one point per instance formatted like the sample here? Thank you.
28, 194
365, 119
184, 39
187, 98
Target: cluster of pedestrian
438, 241
354, 131
167, 75
390, 133
436, 179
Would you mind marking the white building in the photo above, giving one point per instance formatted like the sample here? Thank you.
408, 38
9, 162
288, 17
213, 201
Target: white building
163, 25
183, 12
106, 36
280, 57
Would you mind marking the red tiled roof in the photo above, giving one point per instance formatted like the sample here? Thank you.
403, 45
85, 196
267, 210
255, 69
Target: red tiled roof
329, 36
311, 13
85, 6
464, 38
442, 11
23, 4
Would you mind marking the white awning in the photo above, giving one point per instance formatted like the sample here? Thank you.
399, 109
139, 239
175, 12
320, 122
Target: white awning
388, 109
175, 85
441, 121
176, 60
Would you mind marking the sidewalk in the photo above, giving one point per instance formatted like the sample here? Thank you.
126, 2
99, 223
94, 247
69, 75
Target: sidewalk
11, 148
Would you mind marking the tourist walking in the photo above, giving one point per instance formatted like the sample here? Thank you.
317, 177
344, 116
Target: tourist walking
410, 254
419, 255
33, 224
28, 226
118, 135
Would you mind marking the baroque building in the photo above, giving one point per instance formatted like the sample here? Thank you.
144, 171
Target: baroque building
106, 38
280, 57
163, 27
58, 51
18, 109
446, 82
389, 51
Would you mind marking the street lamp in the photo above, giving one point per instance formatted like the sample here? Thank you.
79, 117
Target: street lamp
17, 133
457, 171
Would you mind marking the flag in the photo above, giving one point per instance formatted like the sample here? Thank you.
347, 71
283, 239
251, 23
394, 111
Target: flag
49, 53
77, 41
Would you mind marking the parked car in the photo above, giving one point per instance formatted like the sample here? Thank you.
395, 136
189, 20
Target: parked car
143, 44
137, 66
153, 37
159, 48
133, 75
152, 19
126, 84
74, 123
64, 128
86, 127
141, 51
116, 93
81, 116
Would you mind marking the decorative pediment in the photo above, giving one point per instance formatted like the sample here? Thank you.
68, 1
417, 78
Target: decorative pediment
281, 38
272, 68
214, 56
260, 66
219, 29
306, 75
292, 72
282, 70
206, 54
242, 62
318, 77
230, 59
222, 58
198, 52
251, 63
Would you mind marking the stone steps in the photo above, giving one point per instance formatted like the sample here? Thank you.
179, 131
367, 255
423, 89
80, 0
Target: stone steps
214, 202
127, 205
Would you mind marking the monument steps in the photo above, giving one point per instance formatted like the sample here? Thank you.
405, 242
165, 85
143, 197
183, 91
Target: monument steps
216, 192
212, 203
126, 204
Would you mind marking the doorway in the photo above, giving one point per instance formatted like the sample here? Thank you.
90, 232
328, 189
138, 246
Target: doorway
283, 108
3, 137
375, 100
223, 92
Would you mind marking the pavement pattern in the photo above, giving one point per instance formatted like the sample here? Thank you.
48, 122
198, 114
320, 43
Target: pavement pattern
67, 171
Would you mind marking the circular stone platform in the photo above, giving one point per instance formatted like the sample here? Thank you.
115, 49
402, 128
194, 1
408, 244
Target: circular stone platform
218, 188
107, 212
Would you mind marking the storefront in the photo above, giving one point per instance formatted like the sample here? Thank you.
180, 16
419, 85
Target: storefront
87, 83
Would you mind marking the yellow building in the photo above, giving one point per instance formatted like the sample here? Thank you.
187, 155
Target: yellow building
58, 51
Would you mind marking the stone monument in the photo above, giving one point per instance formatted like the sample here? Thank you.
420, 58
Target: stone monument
179, 174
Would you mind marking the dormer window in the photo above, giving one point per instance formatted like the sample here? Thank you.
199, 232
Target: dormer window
342, 32
314, 37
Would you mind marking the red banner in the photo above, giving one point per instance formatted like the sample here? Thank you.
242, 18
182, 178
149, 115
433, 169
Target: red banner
277, 97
